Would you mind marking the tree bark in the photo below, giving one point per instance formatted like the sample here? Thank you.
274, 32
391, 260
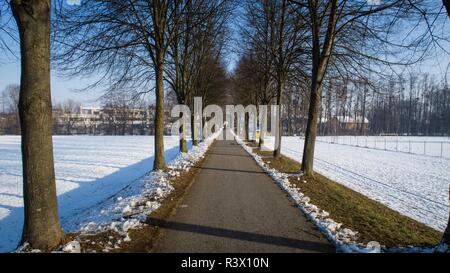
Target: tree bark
447, 6
159, 162
320, 63
202, 128
261, 140
311, 130
194, 132
278, 133
262, 132
183, 143
281, 67
247, 126
363, 110
446, 237
41, 229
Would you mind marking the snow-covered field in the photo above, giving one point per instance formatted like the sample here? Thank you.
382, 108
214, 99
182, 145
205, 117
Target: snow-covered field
89, 169
414, 185
431, 146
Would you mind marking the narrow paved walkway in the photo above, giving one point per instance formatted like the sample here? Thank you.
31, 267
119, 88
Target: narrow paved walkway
233, 206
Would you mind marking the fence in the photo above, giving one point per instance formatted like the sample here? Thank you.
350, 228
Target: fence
411, 145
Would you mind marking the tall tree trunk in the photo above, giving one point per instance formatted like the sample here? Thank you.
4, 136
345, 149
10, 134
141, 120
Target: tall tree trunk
196, 119
280, 81
261, 138
41, 226
289, 105
194, 130
203, 128
446, 237
159, 162
263, 124
247, 126
183, 143
132, 123
363, 110
279, 129
320, 64
256, 119
311, 129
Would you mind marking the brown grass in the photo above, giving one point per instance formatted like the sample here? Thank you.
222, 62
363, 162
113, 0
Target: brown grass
373, 220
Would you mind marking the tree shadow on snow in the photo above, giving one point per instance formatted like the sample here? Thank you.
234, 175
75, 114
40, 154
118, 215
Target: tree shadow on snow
86, 196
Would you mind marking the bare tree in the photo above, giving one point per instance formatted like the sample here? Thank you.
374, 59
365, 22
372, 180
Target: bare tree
128, 41
320, 58
245, 85
11, 101
10, 108
8, 32
160, 11
195, 39
259, 34
70, 109
289, 38
369, 29
41, 228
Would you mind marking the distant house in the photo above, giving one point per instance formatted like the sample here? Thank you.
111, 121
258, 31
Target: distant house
107, 120
344, 125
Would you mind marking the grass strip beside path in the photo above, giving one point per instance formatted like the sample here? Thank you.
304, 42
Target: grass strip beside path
372, 220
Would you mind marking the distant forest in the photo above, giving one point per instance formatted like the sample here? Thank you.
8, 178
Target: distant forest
413, 104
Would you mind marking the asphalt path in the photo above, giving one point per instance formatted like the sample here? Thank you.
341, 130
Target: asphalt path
233, 206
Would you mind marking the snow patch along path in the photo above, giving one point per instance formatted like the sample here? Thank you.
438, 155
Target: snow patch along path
414, 185
129, 207
89, 170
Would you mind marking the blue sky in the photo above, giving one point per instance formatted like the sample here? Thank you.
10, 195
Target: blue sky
64, 88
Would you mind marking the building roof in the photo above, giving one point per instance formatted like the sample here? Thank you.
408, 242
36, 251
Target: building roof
347, 119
